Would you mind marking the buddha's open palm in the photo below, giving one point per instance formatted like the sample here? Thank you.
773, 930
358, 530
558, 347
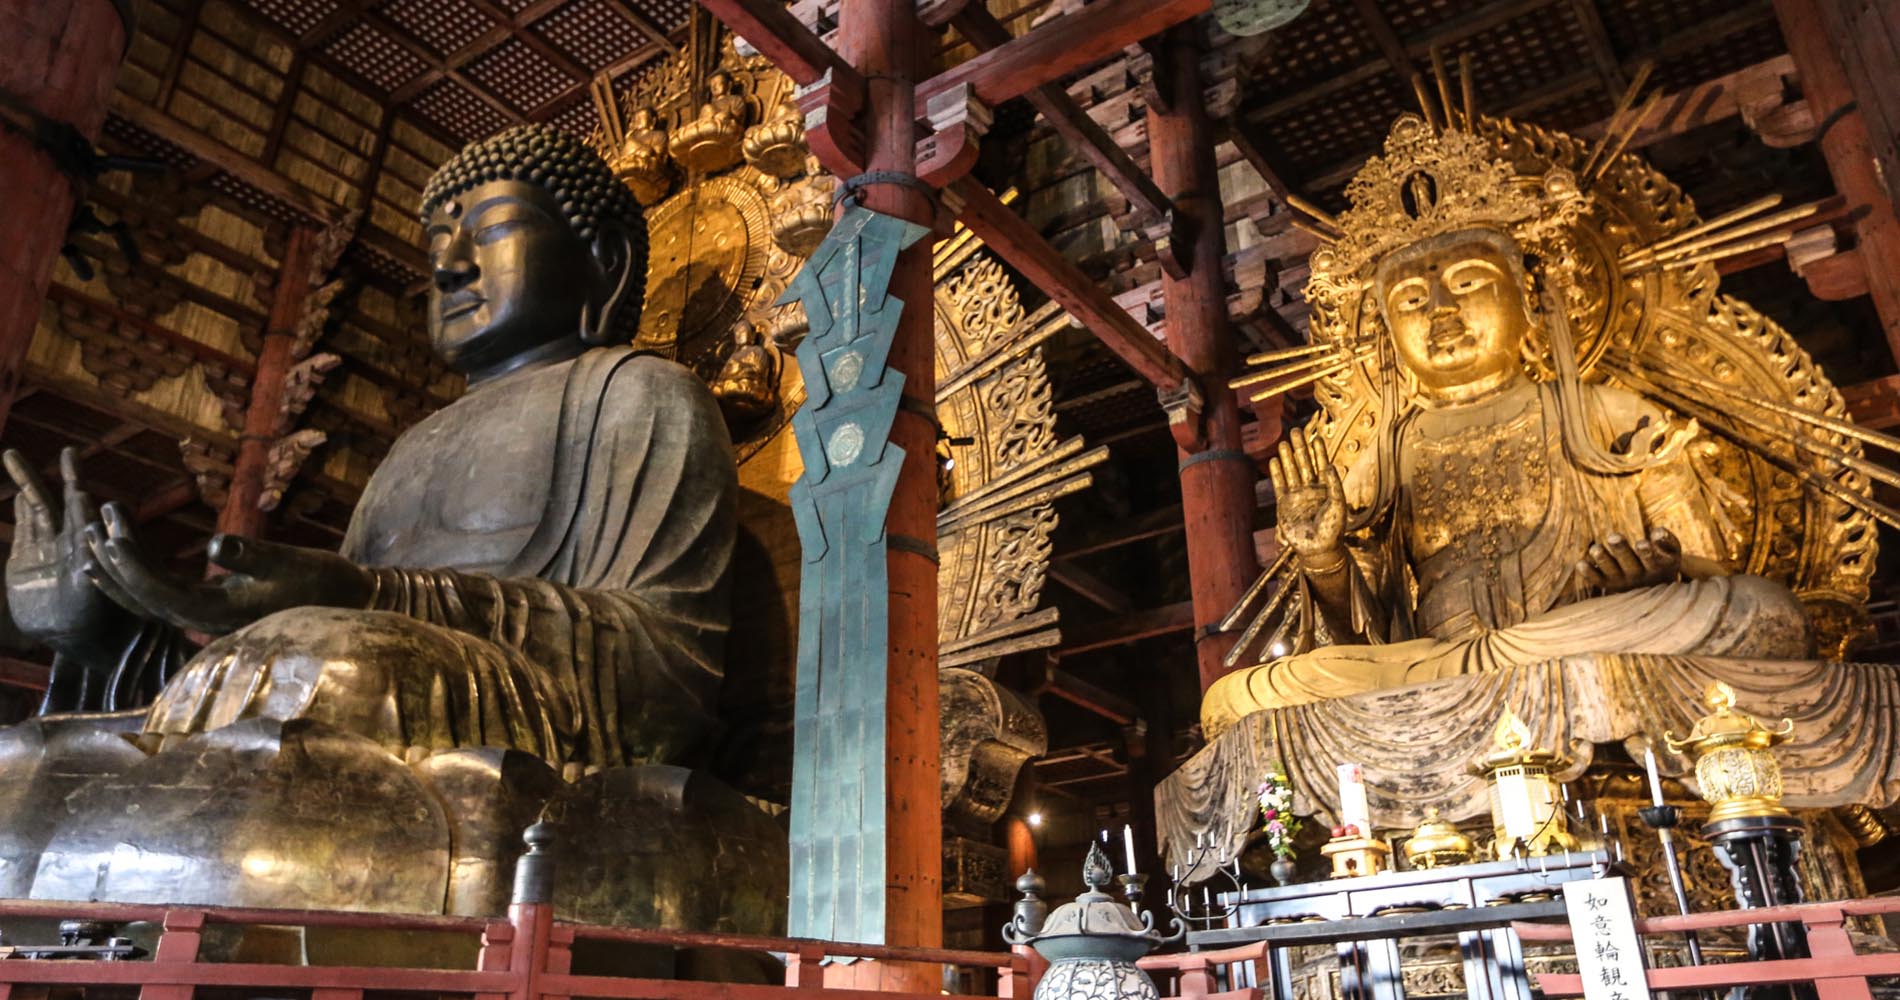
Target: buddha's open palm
49, 591
1310, 498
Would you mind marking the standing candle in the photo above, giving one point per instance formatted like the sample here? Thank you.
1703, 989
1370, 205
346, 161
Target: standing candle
1353, 808
1128, 843
1655, 780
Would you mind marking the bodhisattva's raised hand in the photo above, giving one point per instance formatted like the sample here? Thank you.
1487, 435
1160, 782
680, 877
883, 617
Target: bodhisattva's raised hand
264, 578
49, 587
1616, 564
1311, 500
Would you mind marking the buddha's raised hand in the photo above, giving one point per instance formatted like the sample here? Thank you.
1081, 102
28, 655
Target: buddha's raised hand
49, 592
264, 578
1310, 499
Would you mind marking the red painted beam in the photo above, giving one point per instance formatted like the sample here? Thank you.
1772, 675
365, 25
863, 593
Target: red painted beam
1018, 243
796, 50
23, 674
1058, 48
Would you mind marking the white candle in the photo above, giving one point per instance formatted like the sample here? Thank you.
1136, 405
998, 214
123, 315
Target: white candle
1128, 842
1655, 780
1353, 807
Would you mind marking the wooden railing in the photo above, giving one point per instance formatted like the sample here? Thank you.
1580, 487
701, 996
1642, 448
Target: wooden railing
526, 956
1834, 968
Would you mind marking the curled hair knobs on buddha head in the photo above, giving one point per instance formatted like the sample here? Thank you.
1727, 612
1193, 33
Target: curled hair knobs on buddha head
569, 169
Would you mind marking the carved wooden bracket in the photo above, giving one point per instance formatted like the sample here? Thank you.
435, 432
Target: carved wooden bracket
287, 455
1173, 238
831, 124
316, 316
1183, 406
1764, 97
958, 122
300, 387
210, 468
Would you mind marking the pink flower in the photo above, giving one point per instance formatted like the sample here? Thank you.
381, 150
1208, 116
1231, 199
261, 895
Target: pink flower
1275, 827
1272, 813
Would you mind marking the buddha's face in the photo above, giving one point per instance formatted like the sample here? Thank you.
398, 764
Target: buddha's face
1456, 310
510, 275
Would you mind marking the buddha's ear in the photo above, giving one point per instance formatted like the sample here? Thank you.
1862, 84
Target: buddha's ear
613, 252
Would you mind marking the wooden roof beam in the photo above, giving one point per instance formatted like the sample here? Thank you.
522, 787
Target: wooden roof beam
1056, 48
1602, 50
1127, 629
778, 34
225, 158
981, 29
1380, 28
1018, 243
1076, 691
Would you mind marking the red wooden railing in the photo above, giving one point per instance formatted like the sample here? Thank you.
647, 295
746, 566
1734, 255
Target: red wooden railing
526, 956
1835, 969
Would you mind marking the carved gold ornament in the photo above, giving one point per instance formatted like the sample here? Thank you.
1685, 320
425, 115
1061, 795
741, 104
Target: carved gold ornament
1735, 767
1620, 270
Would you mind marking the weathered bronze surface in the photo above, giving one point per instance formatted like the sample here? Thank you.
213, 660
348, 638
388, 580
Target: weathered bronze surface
529, 613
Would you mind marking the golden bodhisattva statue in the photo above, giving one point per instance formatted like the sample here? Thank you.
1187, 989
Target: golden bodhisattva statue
1511, 464
527, 619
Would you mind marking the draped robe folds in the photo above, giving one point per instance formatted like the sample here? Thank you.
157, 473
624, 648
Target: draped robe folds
596, 637
1474, 568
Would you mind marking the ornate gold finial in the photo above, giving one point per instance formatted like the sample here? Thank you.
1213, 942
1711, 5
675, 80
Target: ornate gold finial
1735, 768
1511, 733
1526, 815
1432, 181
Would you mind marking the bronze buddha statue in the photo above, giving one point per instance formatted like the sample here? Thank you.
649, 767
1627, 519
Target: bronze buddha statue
527, 618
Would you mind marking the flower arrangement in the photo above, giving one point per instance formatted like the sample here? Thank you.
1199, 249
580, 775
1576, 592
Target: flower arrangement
1276, 809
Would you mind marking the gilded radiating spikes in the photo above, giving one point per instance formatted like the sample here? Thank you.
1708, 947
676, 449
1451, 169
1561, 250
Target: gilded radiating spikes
1432, 119
1616, 118
1300, 367
1470, 91
1444, 90
1711, 242
1253, 592
1627, 132
1268, 357
612, 128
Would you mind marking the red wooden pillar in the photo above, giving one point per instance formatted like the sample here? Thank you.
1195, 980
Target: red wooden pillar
884, 41
1850, 155
241, 515
1217, 481
60, 59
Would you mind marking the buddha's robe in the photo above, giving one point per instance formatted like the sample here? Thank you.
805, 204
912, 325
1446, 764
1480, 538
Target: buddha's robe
551, 555
1474, 566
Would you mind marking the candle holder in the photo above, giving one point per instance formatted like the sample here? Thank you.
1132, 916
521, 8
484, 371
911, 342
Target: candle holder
1132, 885
1181, 901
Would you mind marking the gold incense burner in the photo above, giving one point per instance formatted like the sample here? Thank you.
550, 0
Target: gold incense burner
1526, 812
1735, 767
1437, 843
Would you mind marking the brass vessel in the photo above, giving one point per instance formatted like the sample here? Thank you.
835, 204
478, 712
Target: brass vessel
1735, 768
1437, 843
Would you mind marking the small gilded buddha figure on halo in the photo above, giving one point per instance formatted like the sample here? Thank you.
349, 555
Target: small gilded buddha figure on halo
1494, 513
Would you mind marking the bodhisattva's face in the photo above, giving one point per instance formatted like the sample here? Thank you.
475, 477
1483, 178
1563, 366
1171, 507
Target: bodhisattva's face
510, 276
1457, 316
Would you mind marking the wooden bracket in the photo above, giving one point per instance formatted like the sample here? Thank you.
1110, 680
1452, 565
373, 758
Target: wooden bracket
957, 122
1173, 238
831, 124
939, 13
1183, 405
1151, 68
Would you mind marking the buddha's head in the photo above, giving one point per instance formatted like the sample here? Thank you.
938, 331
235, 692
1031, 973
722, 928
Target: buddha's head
535, 251
719, 83
1456, 307
643, 119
